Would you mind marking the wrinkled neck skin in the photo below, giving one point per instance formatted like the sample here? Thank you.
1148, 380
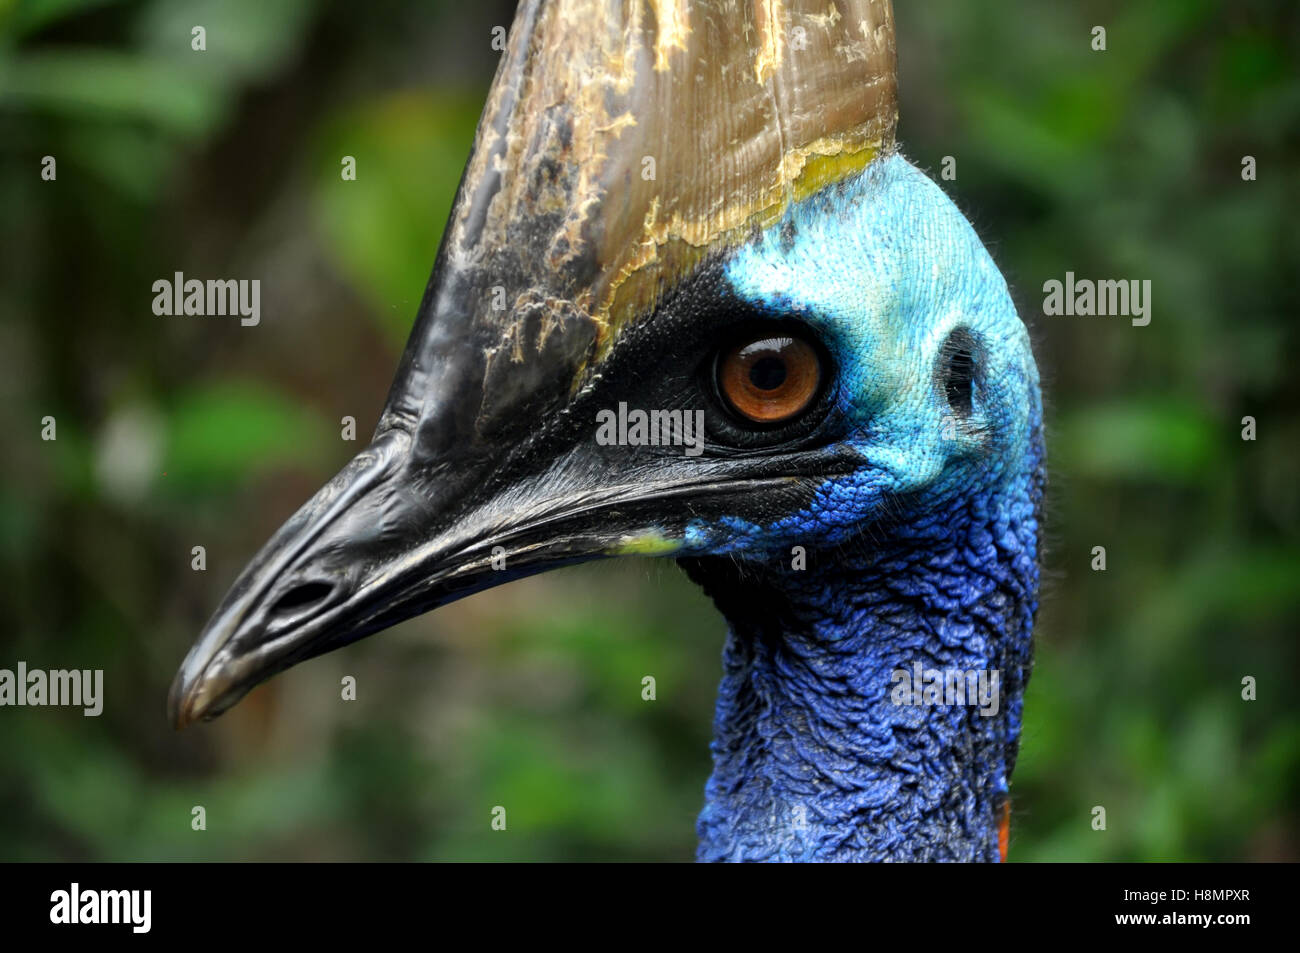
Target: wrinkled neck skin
813, 758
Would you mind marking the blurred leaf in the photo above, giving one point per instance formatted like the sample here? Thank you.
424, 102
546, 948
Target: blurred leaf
226, 431
245, 40
384, 228
19, 17
1156, 440
134, 161
95, 83
1043, 155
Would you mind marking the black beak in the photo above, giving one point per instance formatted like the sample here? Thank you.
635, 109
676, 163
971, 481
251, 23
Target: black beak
372, 548
294, 595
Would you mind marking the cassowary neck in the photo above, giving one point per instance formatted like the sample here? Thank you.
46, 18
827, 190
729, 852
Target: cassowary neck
814, 756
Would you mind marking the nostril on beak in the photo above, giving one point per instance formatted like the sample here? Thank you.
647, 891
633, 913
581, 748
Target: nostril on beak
300, 597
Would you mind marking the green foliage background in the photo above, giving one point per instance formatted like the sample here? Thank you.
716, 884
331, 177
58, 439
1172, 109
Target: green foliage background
175, 432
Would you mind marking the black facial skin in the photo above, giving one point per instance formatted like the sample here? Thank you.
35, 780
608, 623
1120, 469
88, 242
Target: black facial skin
670, 362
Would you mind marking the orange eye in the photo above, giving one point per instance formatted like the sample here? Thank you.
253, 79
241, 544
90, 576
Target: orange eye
771, 380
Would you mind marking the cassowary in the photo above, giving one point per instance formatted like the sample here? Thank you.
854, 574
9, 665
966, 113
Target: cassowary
692, 302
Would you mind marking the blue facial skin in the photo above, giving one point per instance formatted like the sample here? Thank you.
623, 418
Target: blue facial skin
927, 553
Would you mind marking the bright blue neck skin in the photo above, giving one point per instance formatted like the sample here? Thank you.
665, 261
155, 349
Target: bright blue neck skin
928, 553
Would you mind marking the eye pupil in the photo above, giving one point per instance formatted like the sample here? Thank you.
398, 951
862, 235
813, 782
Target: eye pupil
768, 373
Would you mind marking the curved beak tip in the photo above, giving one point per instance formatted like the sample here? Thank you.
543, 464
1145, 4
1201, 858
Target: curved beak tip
180, 711
194, 694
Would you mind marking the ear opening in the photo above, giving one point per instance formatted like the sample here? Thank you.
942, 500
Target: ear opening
957, 369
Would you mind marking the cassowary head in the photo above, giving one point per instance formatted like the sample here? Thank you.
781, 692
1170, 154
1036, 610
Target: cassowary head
692, 302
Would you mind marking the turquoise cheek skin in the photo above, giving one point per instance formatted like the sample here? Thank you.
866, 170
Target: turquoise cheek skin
884, 267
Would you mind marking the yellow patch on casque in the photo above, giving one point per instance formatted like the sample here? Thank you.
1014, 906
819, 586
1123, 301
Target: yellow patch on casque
802, 173
820, 171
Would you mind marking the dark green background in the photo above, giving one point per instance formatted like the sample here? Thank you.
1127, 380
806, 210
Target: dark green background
174, 432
